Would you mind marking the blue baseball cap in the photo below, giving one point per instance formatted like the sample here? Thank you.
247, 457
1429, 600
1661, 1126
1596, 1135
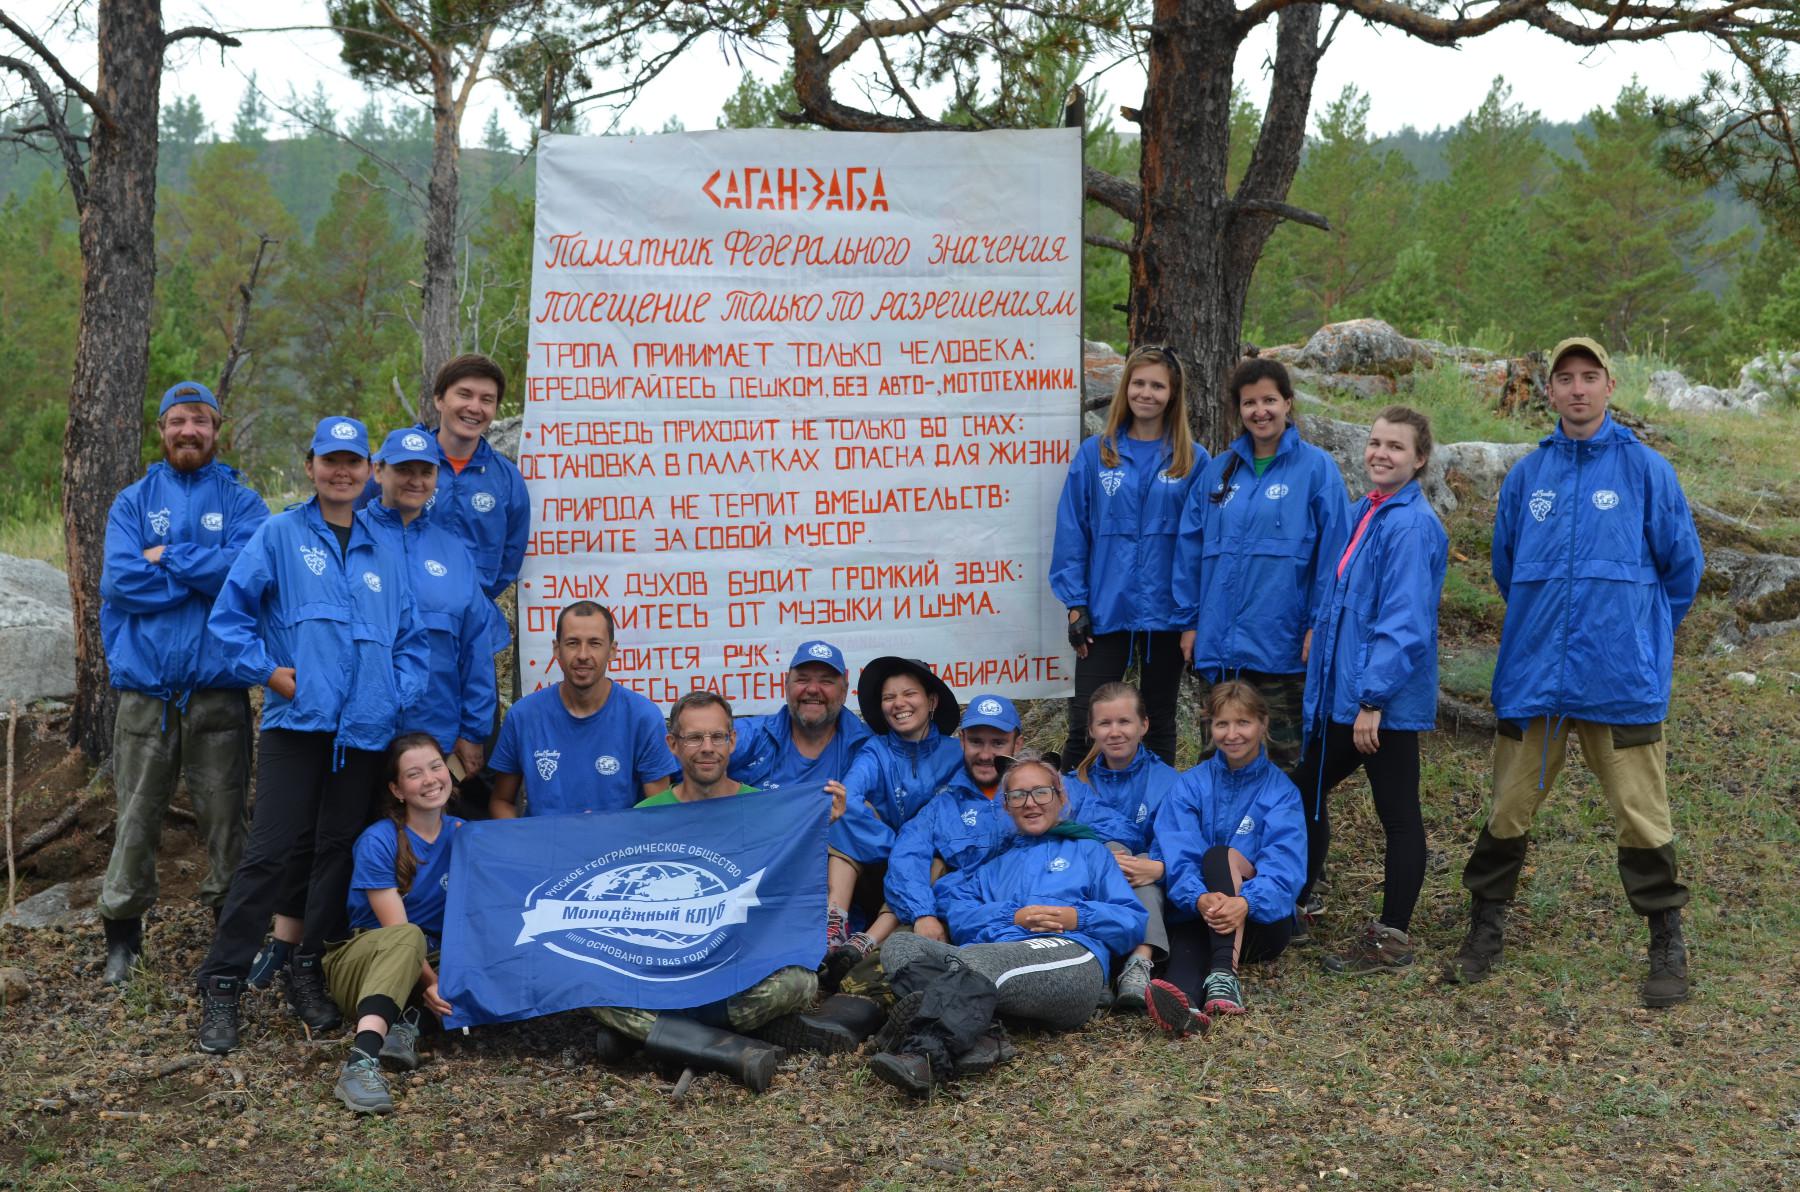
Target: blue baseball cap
338, 433
823, 652
994, 711
185, 392
408, 443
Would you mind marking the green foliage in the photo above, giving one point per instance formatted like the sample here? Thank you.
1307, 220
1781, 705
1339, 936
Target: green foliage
251, 125
496, 315
40, 286
183, 122
756, 104
1411, 298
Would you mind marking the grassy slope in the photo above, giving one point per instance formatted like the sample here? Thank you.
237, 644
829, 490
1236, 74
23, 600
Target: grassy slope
1547, 1077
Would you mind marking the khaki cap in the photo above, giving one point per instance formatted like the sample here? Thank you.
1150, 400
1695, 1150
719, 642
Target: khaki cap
1581, 343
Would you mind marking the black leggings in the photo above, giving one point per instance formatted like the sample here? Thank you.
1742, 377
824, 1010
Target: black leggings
1109, 656
1196, 949
1393, 772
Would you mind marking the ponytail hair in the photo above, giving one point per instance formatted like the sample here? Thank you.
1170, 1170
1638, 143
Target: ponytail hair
406, 864
1106, 693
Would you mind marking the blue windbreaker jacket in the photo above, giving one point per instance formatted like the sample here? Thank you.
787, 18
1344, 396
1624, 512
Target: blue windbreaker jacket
153, 615
1596, 554
462, 626
765, 756
978, 904
1375, 639
1255, 810
487, 506
889, 781
1114, 550
348, 628
1250, 571
1121, 805
961, 825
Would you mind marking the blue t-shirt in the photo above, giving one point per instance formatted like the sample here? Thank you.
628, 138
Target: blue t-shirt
571, 765
374, 857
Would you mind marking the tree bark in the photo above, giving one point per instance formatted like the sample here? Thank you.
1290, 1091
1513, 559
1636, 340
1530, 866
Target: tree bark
438, 324
112, 350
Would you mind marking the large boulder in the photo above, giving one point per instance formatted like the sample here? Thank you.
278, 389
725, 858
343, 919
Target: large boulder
68, 904
1101, 367
1669, 388
1364, 347
1773, 377
1760, 588
503, 436
1482, 465
37, 631
1345, 442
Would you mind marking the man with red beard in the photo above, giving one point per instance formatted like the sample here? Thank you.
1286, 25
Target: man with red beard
170, 540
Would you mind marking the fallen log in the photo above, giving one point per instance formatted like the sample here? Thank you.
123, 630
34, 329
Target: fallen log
90, 794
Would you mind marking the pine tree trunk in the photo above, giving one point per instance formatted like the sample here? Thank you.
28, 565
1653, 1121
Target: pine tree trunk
439, 324
112, 351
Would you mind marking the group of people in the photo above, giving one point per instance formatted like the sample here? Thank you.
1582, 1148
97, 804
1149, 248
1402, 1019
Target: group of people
970, 879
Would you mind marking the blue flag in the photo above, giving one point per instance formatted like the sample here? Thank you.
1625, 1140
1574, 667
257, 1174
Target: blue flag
662, 908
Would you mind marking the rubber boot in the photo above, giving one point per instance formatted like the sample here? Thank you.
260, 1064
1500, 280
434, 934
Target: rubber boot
1667, 984
124, 944
707, 1048
840, 1024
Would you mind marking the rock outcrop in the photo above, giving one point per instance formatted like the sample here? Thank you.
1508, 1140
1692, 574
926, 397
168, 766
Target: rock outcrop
37, 631
1669, 388
1364, 348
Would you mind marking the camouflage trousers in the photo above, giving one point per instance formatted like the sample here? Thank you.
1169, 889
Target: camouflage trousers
1286, 696
156, 744
784, 991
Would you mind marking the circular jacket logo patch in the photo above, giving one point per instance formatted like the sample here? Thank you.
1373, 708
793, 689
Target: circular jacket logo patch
436, 568
606, 763
483, 502
1606, 498
1275, 492
213, 521
1058, 865
373, 580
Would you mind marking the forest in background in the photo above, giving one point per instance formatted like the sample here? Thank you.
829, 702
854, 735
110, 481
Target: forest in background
1501, 231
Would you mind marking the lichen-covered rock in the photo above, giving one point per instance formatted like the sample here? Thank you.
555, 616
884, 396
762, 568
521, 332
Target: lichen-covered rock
1669, 388
1345, 442
1347, 383
67, 904
503, 436
1101, 367
1761, 588
37, 631
1364, 347
1775, 376
1482, 465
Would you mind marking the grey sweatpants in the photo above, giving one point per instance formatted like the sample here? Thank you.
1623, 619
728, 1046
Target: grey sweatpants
1053, 980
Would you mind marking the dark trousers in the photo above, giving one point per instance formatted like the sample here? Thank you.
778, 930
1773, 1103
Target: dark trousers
306, 819
1393, 772
1196, 949
1109, 657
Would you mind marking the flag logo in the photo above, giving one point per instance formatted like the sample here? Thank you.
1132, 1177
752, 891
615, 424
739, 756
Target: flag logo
600, 913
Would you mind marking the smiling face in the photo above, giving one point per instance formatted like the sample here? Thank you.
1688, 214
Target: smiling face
815, 694
1118, 729
408, 485
1264, 412
1148, 393
981, 744
1026, 784
1579, 390
190, 433
422, 780
584, 650
702, 742
1391, 456
467, 408
1238, 734
338, 477
907, 705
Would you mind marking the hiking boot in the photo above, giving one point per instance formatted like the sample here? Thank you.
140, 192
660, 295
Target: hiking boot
1667, 984
840, 1024
1379, 949
900, 1016
361, 1086
401, 1047
272, 959
614, 1047
987, 1053
1482, 948
1222, 993
124, 944
307, 997
907, 1071
1134, 979
219, 1015
1170, 1010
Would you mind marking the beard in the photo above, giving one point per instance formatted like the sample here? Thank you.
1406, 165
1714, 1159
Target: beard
188, 456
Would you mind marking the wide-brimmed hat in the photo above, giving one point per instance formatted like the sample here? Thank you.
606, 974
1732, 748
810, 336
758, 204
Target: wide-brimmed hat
868, 693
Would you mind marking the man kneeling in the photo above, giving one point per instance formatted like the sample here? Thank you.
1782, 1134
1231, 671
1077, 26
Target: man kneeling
715, 1037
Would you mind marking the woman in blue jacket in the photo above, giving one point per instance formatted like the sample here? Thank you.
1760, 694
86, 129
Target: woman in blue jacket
315, 610
1114, 550
1263, 525
1371, 683
1232, 836
1033, 931
1117, 790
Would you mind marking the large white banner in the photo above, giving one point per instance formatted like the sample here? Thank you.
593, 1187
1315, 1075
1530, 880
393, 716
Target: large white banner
790, 385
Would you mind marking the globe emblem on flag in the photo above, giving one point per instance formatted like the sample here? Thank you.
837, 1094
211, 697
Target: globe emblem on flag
650, 882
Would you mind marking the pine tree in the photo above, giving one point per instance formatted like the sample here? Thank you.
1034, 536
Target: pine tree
251, 125
493, 137
183, 122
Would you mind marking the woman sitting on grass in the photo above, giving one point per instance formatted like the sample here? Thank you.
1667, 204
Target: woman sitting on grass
1038, 925
397, 893
1233, 838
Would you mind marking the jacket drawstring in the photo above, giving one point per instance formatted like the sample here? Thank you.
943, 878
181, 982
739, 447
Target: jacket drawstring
337, 754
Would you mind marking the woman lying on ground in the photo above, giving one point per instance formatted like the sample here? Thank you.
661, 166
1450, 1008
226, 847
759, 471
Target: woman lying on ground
1233, 838
1037, 925
397, 892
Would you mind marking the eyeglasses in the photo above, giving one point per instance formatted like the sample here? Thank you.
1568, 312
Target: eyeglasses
691, 740
1036, 794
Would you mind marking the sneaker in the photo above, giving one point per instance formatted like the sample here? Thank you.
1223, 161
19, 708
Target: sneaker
307, 997
219, 1015
837, 929
1379, 949
271, 960
361, 1086
1300, 927
1170, 1010
1483, 946
1134, 979
1223, 993
401, 1047
909, 1073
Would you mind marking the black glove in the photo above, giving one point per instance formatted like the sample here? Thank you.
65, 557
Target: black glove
1081, 628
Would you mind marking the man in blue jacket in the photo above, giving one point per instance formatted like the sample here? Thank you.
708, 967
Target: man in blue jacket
170, 539
1596, 554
